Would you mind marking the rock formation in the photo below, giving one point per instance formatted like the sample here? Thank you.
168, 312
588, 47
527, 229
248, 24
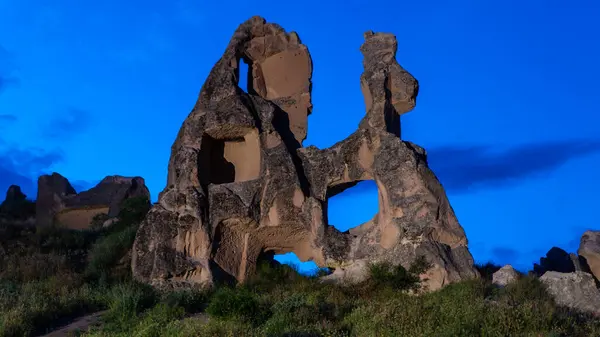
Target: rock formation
16, 206
58, 203
589, 250
240, 186
557, 259
505, 276
574, 290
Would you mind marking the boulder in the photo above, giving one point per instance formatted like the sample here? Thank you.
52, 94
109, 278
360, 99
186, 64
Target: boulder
589, 251
505, 276
240, 185
560, 261
574, 290
58, 203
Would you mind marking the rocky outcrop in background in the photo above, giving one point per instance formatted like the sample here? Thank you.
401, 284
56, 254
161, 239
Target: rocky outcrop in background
58, 202
16, 208
241, 187
571, 279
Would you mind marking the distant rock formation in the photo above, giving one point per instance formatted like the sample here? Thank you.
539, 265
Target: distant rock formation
240, 186
58, 203
560, 261
16, 206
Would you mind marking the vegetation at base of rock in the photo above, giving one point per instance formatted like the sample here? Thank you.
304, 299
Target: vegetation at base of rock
49, 276
384, 274
112, 249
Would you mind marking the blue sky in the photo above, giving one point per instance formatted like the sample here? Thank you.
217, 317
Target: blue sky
508, 106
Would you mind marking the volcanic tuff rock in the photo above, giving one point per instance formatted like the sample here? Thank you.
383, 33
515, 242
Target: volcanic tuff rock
505, 276
589, 251
574, 290
57, 201
240, 186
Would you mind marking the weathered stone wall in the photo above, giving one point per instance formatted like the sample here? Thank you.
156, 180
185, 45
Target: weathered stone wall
78, 218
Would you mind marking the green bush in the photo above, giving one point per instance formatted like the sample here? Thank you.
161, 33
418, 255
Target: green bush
237, 303
192, 300
107, 253
133, 210
124, 302
110, 251
384, 274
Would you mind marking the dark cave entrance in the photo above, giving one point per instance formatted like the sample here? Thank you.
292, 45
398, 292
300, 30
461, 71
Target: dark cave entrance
230, 160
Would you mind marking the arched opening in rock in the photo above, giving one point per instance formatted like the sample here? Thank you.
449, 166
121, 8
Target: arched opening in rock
231, 160
352, 204
305, 268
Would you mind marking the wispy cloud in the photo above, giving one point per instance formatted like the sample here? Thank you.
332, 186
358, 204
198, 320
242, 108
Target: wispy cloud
7, 119
6, 69
21, 167
504, 255
65, 125
465, 168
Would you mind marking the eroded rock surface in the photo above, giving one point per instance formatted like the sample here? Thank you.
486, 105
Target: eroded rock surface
505, 276
574, 290
58, 202
240, 187
589, 250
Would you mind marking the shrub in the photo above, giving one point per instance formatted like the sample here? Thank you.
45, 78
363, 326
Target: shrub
107, 253
192, 300
125, 301
237, 303
384, 274
134, 210
116, 242
98, 221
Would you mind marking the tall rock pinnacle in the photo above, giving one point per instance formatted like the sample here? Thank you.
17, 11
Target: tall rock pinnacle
241, 186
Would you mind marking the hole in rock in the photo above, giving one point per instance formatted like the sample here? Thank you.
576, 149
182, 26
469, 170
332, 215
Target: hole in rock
243, 75
352, 204
224, 161
308, 268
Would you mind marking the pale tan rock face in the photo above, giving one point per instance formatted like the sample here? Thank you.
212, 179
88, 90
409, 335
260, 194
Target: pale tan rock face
589, 249
79, 218
240, 186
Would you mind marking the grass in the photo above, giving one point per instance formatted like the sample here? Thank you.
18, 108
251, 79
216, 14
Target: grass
50, 276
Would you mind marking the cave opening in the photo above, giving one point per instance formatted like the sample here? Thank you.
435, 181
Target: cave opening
223, 161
